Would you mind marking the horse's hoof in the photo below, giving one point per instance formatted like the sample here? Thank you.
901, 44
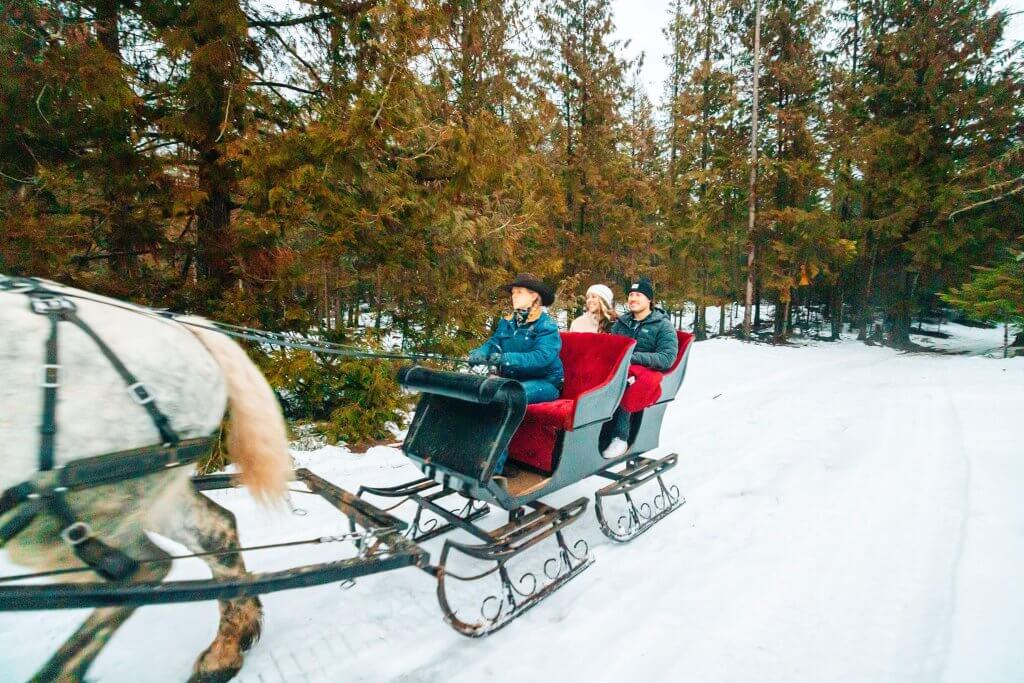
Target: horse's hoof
219, 676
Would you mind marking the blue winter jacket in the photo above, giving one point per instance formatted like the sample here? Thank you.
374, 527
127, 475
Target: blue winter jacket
528, 351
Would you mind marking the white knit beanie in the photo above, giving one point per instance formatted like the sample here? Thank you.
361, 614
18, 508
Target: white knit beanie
603, 292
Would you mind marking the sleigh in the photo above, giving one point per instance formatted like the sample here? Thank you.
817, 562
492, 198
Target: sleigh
464, 422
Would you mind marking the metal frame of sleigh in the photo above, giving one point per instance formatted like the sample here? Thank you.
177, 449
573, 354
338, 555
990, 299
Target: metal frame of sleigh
462, 423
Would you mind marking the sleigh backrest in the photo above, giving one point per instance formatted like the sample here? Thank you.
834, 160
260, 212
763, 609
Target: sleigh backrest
674, 375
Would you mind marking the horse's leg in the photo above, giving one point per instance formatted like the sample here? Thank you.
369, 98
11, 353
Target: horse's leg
71, 661
201, 525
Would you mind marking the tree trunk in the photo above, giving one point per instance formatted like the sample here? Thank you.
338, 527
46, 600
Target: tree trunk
213, 221
865, 305
214, 101
901, 310
118, 153
778, 324
782, 323
701, 326
757, 303
836, 311
752, 202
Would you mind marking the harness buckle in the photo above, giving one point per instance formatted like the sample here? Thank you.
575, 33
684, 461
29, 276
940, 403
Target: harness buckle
140, 393
49, 376
44, 304
76, 533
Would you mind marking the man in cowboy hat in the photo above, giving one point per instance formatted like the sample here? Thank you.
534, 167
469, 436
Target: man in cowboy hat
656, 348
525, 344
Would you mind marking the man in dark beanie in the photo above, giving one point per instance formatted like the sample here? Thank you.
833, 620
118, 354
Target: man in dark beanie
656, 348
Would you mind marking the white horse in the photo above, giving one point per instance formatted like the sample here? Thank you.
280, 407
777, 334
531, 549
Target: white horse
192, 374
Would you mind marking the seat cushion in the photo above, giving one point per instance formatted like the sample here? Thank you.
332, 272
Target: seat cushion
644, 390
534, 445
590, 362
557, 413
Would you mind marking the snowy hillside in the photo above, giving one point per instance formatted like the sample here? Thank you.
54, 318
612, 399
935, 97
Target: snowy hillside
853, 514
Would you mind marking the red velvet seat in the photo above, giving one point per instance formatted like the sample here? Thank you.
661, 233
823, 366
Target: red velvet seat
591, 362
645, 388
552, 413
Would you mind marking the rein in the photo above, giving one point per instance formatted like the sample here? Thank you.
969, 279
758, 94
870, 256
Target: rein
280, 339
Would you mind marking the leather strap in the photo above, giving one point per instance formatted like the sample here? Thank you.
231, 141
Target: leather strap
110, 563
50, 382
135, 387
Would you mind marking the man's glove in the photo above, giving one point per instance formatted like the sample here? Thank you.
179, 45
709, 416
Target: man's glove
480, 358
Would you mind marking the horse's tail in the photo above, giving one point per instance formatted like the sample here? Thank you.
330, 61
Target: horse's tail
257, 439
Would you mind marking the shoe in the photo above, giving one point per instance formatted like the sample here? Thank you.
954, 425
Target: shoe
615, 449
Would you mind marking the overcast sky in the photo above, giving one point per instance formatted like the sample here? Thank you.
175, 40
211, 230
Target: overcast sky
641, 21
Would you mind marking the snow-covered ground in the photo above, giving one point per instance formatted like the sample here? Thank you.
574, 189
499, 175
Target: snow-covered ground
853, 514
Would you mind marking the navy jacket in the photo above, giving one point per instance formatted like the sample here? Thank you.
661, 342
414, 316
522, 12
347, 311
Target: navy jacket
528, 351
656, 342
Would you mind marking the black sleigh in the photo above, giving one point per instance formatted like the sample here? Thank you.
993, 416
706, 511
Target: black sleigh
462, 424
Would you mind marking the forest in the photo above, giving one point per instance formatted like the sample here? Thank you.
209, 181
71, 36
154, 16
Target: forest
370, 170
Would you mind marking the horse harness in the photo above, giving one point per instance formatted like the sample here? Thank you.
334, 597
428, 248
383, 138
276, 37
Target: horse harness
47, 493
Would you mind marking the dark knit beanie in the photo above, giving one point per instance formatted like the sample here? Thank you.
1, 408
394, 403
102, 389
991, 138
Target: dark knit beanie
644, 286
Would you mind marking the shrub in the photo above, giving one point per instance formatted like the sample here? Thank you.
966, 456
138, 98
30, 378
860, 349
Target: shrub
351, 400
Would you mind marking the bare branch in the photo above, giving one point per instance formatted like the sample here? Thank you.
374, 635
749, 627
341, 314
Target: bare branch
990, 200
294, 21
274, 84
383, 99
295, 55
997, 186
27, 181
344, 10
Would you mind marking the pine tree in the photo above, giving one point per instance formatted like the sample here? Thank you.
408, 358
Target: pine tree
934, 107
802, 239
995, 293
602, 228
705, 140
80, 189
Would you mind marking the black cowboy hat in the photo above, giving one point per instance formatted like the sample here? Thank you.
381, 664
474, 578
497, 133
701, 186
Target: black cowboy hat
535, 284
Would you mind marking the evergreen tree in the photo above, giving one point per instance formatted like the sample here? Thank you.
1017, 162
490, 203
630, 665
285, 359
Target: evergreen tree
704, 143
933, 107
995, 293
802, 238
605, 223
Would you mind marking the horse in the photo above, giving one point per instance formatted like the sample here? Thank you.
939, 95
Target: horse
185, 375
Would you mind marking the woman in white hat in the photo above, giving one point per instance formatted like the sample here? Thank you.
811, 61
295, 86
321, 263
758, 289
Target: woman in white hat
600, 314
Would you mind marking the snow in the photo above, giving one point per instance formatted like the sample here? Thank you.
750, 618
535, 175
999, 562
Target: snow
976, 341
853, 513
